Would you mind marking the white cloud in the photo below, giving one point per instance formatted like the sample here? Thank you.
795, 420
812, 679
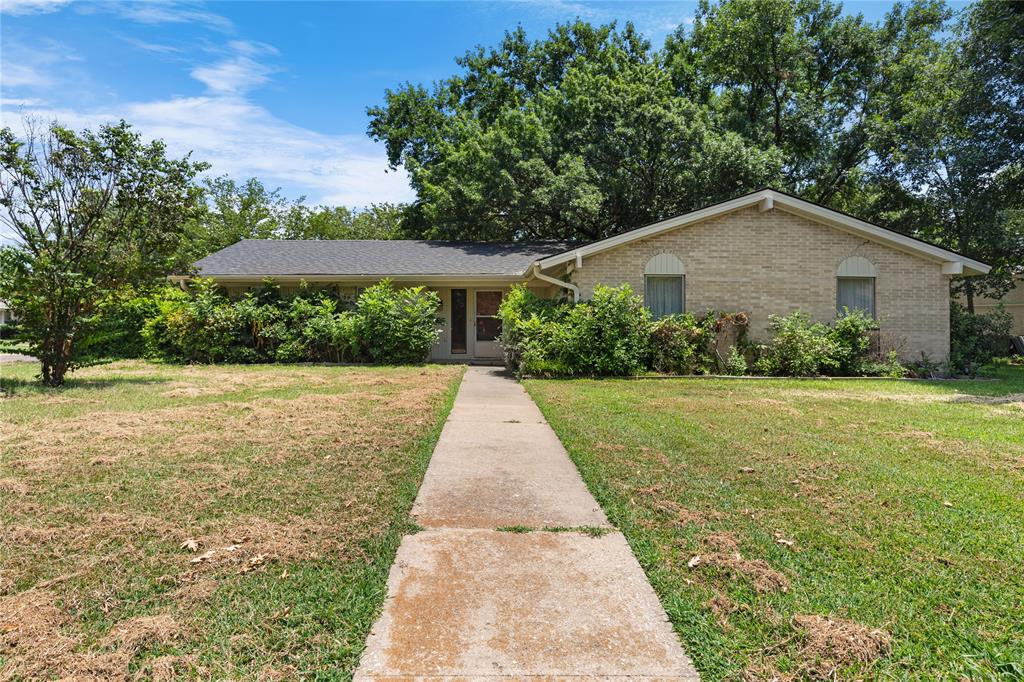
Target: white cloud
233, 76
170, 13
23, 75
242, 140
31, 6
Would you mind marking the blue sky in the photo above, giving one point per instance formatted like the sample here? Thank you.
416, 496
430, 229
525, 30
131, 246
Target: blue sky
276, 90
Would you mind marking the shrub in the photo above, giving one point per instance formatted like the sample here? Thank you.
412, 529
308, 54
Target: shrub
975, 340
798, 347
118, 329
607, 335
684, 344
736, 364
802, 348
526, 333
397, 326
391, 326
205, 327
853, 333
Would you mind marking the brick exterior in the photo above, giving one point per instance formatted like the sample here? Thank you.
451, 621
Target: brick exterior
776, 263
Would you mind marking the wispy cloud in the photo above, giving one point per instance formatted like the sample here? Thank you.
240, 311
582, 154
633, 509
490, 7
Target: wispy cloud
233, 76
223, 126
170, 13
16, 7
23, 75
242, 139
155, 48
238, 73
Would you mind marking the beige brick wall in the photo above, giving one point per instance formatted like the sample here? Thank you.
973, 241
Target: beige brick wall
776, 263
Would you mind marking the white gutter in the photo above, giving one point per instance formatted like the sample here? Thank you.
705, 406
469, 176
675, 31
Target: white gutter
551, 280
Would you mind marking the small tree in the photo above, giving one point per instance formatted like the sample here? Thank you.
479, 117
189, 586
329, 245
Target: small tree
90, 212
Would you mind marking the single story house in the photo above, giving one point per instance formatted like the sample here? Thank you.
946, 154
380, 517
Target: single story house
763, 253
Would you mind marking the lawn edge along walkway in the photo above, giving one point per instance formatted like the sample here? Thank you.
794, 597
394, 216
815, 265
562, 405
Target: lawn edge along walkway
517, 572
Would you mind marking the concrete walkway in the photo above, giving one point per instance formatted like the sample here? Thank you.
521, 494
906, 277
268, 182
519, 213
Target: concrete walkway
468, 601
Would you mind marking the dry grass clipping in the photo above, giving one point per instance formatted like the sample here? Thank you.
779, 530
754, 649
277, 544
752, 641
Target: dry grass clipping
74, 525
833, 643
33, 632
723, 553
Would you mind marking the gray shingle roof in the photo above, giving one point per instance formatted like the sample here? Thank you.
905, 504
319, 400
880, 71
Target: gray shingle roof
280, 257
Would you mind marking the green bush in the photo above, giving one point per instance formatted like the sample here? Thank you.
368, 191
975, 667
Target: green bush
735, 364
526, 333
607, 335
389, 326
684, 344
800, 347
397, 326
975, 340
205, 327
853, 333
117, 332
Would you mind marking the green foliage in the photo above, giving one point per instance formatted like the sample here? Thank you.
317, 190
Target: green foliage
684, 344
608, 335
205, 327
527, 332
802, 348
854, 334
397, 326
798, 348
580, 135
91, 213
121, 318
735, 364
975, 340
248, 210
392, 326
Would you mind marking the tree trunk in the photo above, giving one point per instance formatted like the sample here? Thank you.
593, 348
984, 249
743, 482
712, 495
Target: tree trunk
969, 292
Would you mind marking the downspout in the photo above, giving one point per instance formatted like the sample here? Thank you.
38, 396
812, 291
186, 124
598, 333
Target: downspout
551, 280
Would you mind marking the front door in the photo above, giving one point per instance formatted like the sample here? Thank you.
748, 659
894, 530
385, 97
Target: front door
487, 323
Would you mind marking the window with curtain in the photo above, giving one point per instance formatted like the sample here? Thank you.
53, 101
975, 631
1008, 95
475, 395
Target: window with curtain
664, 294
856, 293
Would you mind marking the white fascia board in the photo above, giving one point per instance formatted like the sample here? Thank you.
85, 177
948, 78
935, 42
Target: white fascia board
776, 200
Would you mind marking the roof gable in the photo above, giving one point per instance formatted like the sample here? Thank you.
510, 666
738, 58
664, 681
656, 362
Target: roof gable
768, 199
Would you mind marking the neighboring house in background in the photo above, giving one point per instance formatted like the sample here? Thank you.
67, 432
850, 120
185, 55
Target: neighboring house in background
6, 314
763, 253
1013, 300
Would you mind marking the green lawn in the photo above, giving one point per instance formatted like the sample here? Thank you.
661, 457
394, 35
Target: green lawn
216, 522
895, 510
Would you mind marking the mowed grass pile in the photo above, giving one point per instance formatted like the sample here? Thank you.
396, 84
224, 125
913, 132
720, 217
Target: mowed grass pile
218, 522
817, 529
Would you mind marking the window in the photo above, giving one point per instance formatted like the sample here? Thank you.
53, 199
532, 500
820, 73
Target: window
663, 295
458, 321
855, 286
488, 325
665, 285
